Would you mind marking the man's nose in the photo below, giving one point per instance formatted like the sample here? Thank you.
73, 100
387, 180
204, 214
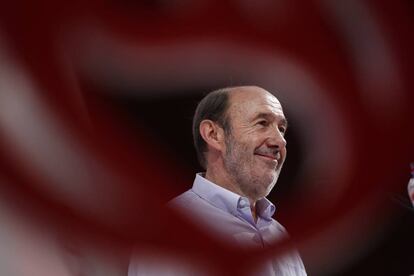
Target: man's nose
276, 139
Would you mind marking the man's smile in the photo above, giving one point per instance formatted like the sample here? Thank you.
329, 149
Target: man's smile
272, 159
269, 156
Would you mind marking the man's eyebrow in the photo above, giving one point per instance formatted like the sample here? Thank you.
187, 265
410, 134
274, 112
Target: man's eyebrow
283, 121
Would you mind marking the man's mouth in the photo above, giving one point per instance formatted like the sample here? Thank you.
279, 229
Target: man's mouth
273, 157
270, 157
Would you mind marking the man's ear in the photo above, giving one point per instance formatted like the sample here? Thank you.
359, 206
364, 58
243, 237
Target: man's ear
212, 133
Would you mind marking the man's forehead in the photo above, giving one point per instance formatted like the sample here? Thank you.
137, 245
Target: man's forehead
255, 99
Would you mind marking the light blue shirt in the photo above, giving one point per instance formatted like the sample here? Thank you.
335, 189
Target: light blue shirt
227, 216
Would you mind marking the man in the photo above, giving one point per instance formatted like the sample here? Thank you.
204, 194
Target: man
239, 138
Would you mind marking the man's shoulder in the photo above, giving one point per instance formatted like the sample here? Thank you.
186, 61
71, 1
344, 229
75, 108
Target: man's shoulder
279, 226
192, 204
185, 199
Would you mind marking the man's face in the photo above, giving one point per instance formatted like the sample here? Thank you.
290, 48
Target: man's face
255, 147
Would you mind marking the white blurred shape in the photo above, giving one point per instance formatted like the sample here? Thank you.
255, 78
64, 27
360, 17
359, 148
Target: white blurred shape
410, 189
40, 143
31, 247
372, 55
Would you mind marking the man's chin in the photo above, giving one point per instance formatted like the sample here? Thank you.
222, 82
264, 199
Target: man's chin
272, 182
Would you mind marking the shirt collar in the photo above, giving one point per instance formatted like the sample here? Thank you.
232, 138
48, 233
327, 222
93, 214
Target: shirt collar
227, 200
265, 209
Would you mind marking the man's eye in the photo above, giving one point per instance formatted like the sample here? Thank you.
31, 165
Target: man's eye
282, 130
263, 123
